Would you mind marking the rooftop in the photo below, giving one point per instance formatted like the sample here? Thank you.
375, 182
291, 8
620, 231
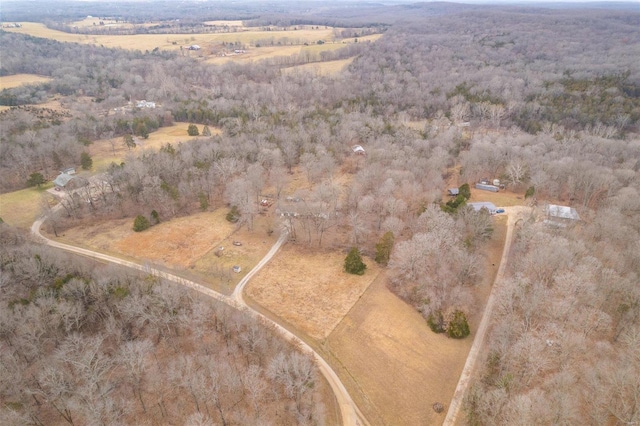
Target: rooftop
477, 206
562, 212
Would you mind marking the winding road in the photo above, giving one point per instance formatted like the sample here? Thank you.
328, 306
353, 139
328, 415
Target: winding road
351, 415
514, 213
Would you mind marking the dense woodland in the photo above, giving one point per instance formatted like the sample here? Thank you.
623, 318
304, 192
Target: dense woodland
82, 344
521, 94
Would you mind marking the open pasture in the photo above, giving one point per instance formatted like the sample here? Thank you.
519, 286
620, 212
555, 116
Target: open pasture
175, 41
309, 289
16, 80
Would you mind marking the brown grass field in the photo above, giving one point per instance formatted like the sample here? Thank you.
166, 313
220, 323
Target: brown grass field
391, 362
166, 41
106, 151
10, 81
225, 23
394, 366
95, 22
325, 69
185, 245
21, 208
309, 288
257, 53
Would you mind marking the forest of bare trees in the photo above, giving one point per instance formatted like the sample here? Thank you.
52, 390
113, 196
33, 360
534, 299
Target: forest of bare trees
81, 344
519, 94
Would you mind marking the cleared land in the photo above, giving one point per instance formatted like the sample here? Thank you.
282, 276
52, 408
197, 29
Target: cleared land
186, 245
10, 81
21, 208
391, 362
175, 41
225, 23
106, 151
265, 52
321, 68
309, 289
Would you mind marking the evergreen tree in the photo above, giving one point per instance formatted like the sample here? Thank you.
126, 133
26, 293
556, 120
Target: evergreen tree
530, 192
458, 327
192, 130
86, 161
36, 179
465, 191
141, 223
383, 249
353, 262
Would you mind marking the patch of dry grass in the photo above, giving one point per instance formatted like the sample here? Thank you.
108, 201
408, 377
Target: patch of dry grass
394, 366
106, 151
21, 208
309, 289
504, 198
186, 245
174, 41
328, 68
225, 23
10, 81
107, 23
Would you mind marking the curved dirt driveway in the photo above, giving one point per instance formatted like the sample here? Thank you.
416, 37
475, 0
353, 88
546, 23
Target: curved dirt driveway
514, 213
351, 415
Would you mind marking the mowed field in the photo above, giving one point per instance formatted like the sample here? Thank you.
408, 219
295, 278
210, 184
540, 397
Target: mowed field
175, 41
21, 208
392, 363
309, 288
327, 68
186, 245
10, 81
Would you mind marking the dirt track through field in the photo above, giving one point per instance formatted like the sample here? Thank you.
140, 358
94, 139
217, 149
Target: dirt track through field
350, 413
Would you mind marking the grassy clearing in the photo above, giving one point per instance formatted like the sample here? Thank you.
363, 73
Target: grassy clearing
10, 81
391, 362
186, 245
21, 208
328, 68
309, 289
225, 23
175, 41
265, 52
107, 23
107, 151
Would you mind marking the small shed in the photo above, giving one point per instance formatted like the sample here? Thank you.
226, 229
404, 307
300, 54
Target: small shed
477, 206
69, 171
453, 192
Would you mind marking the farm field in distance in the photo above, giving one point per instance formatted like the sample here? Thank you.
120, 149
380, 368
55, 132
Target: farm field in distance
9, 81
175, 41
